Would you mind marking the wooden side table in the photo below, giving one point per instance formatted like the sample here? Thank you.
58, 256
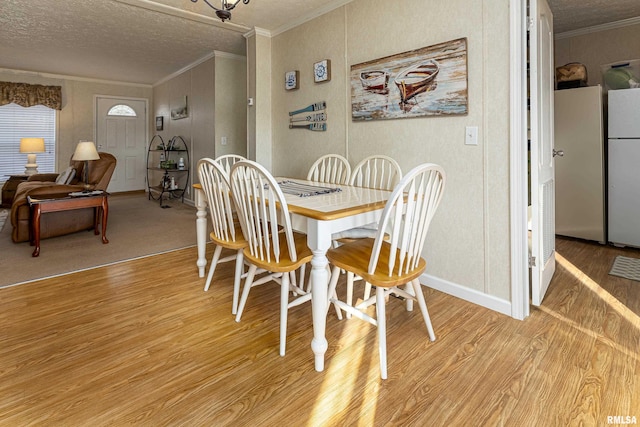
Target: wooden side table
9, 189
67, 202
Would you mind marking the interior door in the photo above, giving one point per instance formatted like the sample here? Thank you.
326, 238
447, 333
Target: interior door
579, 173
542, 170
122, 131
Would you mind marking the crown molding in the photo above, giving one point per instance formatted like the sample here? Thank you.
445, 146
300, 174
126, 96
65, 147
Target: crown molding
184, 14
185, 68
214, 54
598, 28
318, 12
73, 78
255, 31
227, 55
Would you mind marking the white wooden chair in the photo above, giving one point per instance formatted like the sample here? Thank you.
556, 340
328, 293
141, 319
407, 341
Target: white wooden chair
393, 257
380, 172
226, 232
228, 160
377, 171
272, 245
331, 169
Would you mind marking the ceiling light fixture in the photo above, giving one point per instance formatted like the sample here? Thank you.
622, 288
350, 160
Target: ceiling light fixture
224, 13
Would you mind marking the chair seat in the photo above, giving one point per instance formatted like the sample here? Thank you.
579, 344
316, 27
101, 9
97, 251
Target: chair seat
366, 231
354, 256
239, 243
285, 264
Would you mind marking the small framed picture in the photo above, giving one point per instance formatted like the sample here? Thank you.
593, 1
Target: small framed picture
322, 71
179, 109
291, 80
159, 122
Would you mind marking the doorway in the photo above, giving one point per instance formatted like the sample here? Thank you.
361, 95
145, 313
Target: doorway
121, 129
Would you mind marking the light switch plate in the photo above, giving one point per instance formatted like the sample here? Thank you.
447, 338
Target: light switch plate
471, 135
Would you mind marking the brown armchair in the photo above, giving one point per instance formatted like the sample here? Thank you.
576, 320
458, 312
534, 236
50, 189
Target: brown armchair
59, 223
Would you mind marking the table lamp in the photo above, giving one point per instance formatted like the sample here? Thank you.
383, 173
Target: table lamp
85, 151
31, 146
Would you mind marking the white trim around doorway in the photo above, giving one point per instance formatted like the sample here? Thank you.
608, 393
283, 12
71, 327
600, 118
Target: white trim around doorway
518, 160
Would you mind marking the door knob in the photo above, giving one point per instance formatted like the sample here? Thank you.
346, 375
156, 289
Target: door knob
558, 153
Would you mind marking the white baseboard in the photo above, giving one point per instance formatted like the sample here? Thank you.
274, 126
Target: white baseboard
467, 294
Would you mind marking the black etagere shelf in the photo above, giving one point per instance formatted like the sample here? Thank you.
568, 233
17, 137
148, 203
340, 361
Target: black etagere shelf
167, 169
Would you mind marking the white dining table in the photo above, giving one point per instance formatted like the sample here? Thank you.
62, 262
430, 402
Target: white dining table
319, 216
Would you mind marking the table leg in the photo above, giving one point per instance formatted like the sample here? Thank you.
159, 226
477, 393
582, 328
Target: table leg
201, 230
105, 215
35, 224
97, 214
319, 241
31, 239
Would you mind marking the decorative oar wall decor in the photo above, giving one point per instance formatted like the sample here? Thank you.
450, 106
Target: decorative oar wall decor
315, 121
318, 117
313, 107
310, 126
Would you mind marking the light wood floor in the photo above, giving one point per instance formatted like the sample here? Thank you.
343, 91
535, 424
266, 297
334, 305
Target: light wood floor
141, 343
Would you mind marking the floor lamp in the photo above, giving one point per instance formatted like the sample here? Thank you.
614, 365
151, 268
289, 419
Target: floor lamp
31, 146
85, 151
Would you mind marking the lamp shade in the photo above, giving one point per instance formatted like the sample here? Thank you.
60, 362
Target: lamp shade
85, 150
32, 145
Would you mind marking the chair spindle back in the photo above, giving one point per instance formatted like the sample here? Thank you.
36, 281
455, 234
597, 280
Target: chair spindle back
262, 210
379, 172
228, 160
331, 169
406, 218
215, 184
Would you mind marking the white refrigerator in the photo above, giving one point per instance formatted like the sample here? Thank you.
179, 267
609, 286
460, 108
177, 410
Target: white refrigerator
624, 164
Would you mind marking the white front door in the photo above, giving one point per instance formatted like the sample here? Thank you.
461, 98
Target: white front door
542, 170
122, 131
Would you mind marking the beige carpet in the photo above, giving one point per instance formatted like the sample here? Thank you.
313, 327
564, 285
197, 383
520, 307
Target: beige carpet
136, 227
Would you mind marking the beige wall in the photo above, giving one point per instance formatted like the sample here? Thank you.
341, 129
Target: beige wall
76, 119
599, 48
216, 99
259, 88
231, 105
202, 112
468, 243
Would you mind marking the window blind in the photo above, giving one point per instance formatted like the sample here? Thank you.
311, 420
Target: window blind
19, 122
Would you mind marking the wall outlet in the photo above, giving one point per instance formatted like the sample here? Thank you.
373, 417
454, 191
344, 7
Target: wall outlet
223, 140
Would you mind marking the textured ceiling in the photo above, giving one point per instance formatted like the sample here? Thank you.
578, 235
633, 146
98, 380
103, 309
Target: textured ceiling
569, 15
137, 41
144, 41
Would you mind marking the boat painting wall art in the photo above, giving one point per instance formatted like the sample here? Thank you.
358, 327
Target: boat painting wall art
431, 81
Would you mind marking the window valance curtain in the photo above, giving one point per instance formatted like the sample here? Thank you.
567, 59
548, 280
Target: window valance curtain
28, 95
